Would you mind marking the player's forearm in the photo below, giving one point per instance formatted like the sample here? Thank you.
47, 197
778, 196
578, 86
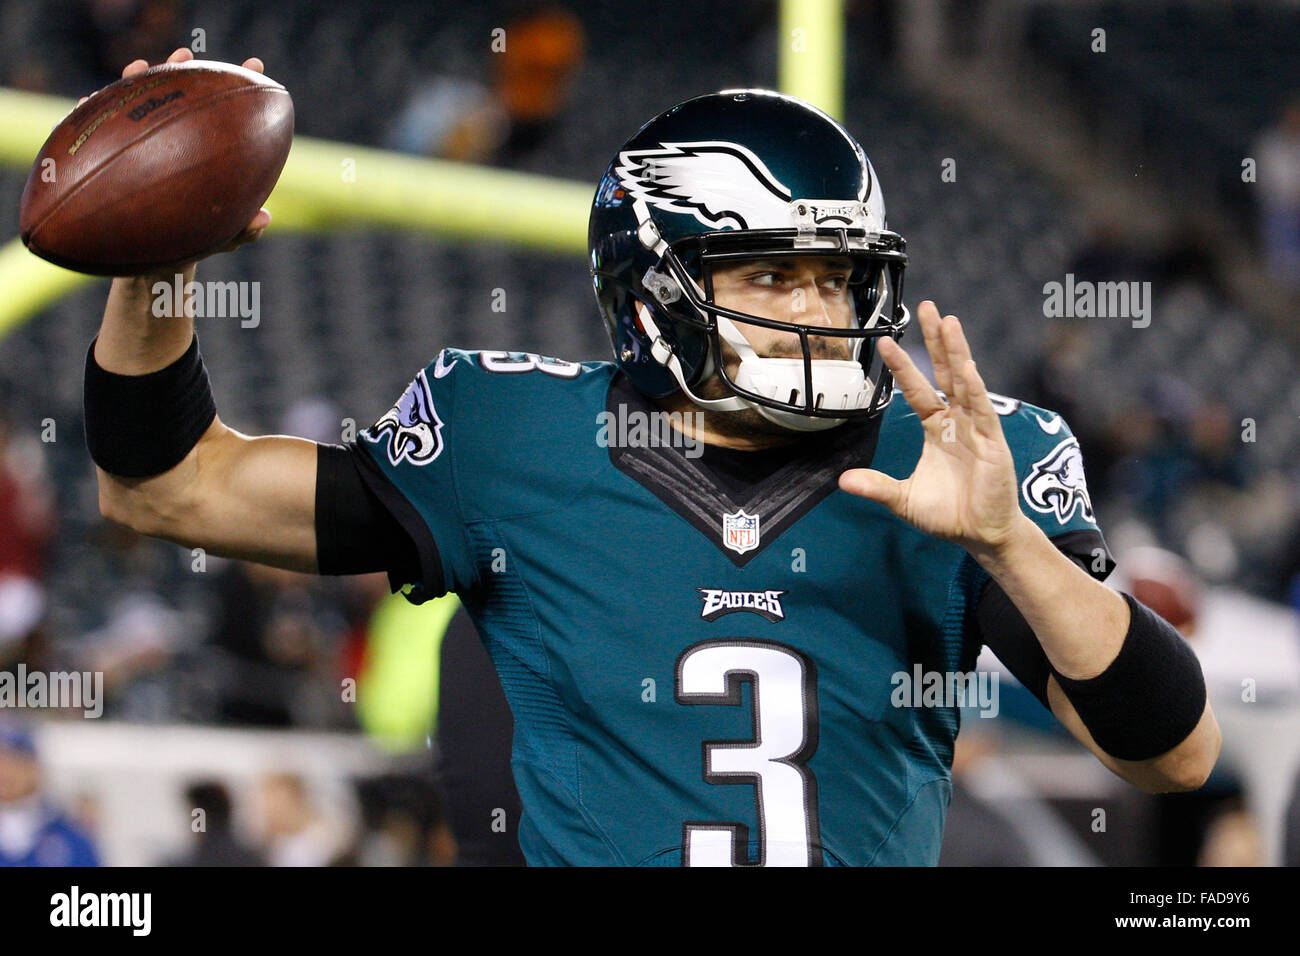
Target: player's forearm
1152, 698
133, 340
1079, 621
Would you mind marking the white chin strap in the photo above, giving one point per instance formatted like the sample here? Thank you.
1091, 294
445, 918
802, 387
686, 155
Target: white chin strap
838, 384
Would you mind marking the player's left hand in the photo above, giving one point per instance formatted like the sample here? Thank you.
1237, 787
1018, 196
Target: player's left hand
964, 486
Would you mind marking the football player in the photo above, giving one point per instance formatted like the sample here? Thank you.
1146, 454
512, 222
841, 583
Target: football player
731, 580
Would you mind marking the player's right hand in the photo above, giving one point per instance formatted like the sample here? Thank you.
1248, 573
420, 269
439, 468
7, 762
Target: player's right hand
253, 231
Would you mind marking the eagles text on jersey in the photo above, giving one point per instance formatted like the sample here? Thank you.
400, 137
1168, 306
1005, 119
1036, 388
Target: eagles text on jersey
699, 678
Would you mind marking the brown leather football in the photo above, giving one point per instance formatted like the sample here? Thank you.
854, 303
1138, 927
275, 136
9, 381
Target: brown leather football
157, 170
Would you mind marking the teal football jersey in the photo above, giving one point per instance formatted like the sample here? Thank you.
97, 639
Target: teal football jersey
699, 675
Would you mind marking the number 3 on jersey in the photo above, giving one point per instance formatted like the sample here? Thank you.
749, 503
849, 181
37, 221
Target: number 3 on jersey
783, 694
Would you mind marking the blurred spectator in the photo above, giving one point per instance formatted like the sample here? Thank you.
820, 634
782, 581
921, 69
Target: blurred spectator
295, 831
403, 823
1061, 381
1108, 254
26, 505
1232, 839
1187, 255
137, 564
996, 817
32, 831
133, 651
1171, 445
458, 118
281, 633
533, 75
22, 608
425, 668
449, 117
1278, 154
215, 842
94, 39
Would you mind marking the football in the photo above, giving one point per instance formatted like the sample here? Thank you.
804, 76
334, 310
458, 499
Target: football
158, 169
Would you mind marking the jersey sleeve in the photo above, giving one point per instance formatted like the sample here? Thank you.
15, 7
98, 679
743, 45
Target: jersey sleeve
412, 446
1052, 487
1053, 492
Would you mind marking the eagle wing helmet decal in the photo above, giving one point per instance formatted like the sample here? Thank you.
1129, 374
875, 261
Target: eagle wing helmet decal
723, 185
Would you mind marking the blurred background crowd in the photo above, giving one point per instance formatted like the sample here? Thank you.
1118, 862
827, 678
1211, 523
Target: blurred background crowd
1015, 145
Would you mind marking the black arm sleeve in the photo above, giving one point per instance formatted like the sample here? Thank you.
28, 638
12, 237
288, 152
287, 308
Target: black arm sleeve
363, 524
1004, 629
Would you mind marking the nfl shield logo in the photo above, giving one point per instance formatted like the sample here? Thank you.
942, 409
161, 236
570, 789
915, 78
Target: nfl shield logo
740, 531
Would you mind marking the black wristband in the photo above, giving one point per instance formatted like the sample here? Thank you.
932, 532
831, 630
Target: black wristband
142, 425
1150, 697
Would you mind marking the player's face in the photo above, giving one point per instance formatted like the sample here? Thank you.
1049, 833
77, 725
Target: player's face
811, 291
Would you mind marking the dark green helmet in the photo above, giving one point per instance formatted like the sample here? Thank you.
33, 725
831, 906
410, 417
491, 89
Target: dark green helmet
737, 175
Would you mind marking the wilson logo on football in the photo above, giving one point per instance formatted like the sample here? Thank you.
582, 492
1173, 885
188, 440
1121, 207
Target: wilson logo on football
1056, 484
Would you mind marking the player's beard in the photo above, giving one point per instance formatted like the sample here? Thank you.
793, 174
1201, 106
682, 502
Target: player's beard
747, 424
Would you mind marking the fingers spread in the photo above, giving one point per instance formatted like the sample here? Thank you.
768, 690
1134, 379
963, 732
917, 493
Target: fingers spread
181, 55
928, 314
984, 415
920, 394
957, 352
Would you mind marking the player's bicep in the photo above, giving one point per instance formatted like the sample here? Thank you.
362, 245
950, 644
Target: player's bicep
256, 499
